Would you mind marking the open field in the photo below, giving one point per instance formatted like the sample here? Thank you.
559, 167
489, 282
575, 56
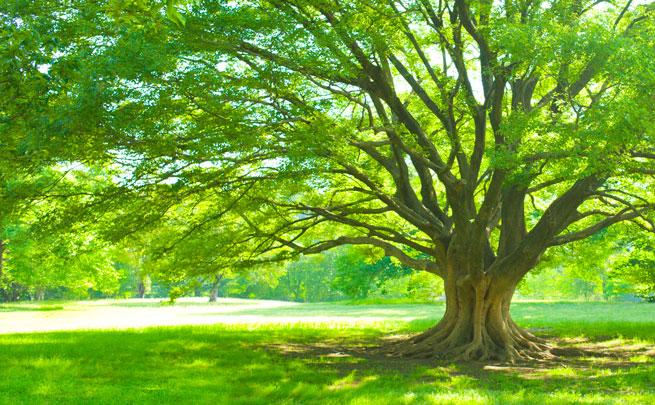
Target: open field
265, 352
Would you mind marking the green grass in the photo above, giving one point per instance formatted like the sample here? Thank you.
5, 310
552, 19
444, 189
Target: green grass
19, 308
309, 362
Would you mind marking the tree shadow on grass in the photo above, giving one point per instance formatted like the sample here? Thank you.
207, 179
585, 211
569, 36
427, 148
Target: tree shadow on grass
590, 368
579, 353
252, 366
565, 380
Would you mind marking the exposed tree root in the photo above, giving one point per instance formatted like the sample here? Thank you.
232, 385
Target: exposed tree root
460, 339
477, 325
436, 345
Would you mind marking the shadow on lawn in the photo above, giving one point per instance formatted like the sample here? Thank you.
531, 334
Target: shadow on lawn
213, 364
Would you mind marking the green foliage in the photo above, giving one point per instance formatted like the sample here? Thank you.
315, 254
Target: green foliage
307, 280
344, 273
579, 270
216, 137
72, 261
636, 265
347, 273
357, 277
611, 265
417, 286
354, 276
47, 252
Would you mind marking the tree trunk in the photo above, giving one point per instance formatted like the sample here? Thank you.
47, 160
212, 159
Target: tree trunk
476, 326
213, 294
2, 257
15, 291
141, 289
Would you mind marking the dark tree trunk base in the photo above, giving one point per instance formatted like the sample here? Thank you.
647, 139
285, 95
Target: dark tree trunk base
444, 342
476, 326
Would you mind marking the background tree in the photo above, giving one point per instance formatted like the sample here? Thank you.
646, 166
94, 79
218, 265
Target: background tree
636, 264
51, 254
359, 272
61, 268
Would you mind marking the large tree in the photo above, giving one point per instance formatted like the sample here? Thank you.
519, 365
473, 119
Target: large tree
461, 137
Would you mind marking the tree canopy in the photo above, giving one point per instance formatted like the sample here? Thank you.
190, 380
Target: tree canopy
463, 138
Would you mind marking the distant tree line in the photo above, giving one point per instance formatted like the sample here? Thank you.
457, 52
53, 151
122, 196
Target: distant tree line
606, 267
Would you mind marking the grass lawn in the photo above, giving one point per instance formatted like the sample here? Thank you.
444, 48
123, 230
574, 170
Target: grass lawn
269, 353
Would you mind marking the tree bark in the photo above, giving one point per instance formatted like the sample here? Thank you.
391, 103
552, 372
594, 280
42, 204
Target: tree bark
476, 326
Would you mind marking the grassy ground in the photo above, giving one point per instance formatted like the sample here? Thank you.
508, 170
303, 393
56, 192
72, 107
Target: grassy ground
291, 354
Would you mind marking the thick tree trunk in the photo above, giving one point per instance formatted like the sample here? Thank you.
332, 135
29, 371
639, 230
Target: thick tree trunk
476, 326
